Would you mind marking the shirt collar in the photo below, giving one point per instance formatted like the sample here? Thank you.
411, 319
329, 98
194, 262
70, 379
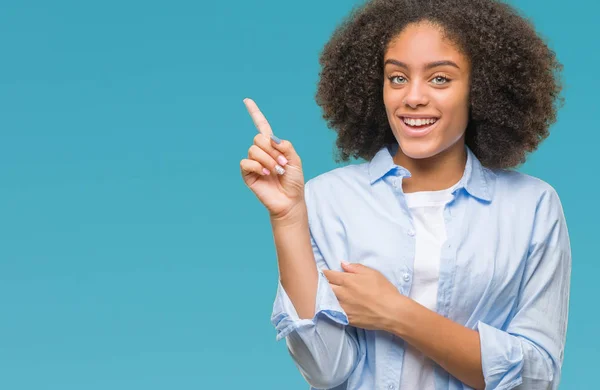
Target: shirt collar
477, 180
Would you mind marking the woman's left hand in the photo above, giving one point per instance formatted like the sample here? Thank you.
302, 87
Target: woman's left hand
369, 299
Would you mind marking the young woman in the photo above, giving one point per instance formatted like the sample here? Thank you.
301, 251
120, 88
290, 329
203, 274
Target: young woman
433, 265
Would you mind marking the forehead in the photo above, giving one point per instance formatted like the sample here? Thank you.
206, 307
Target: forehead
423, 42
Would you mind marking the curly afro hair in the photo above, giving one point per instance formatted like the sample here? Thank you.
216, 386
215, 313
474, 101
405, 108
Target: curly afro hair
515, 83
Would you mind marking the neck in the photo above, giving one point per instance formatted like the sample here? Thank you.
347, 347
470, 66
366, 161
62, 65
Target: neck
433, 173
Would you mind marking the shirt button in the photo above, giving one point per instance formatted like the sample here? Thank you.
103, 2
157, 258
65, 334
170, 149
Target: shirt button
406, 277
391, 387
411, 232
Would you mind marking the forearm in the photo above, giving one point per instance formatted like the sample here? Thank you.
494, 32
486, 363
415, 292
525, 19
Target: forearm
297, 266
451, 345
324, 353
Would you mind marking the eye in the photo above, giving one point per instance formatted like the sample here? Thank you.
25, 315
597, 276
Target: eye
401, 80
440, 80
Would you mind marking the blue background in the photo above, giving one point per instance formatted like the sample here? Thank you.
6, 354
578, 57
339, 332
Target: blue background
132, 256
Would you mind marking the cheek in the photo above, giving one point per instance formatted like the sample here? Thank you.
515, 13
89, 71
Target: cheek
387, 99
462, 111
391, 98
455, 107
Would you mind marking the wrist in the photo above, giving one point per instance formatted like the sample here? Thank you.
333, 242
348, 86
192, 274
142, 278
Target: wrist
397, 315
295, 215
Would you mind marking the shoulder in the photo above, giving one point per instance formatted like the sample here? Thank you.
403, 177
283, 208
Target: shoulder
513, 184
538, 197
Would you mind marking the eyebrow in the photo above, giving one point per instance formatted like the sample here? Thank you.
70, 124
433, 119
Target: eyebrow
427, 66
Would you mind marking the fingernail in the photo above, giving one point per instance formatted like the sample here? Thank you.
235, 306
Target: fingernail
279, 169
274, 138
266, 171
282, 160
345, 264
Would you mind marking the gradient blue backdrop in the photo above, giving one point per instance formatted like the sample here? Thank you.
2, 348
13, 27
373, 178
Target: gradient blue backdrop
132, 256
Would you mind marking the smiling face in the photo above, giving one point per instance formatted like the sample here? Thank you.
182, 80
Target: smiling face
426, 92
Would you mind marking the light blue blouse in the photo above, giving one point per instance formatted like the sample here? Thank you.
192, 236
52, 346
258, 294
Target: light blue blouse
505, 271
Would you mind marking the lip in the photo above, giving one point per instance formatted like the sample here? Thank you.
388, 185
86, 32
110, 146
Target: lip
412, 116
417, 133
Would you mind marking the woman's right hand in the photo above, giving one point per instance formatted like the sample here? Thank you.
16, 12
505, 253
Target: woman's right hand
277, 182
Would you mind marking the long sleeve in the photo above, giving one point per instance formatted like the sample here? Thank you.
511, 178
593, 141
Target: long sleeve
528, 354
324, 348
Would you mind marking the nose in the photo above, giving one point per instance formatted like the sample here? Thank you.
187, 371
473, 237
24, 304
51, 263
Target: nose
416, 95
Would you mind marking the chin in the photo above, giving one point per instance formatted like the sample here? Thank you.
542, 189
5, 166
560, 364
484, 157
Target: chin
427, 147
420, 149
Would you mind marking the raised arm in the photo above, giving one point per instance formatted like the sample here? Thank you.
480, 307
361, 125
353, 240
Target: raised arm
305, 312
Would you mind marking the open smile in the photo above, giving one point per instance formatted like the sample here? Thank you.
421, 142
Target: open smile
418, 127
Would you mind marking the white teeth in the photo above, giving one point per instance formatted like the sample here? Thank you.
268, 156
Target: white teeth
419, 122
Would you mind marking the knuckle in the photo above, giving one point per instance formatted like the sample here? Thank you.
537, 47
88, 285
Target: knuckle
262, 141
262, 122
287, 147
252, 151
258, 138
245, 167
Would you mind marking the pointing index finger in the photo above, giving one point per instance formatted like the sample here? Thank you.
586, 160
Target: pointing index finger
258, 118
